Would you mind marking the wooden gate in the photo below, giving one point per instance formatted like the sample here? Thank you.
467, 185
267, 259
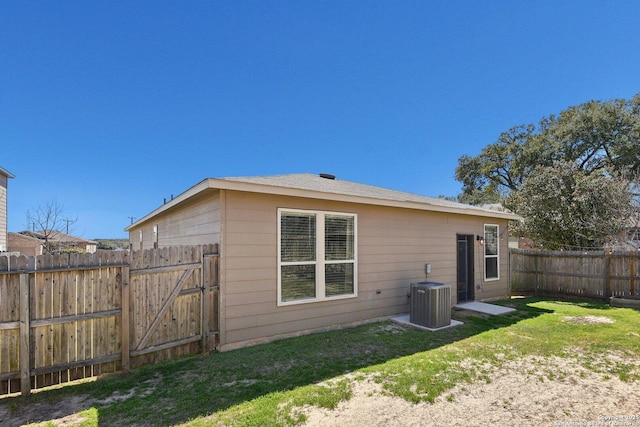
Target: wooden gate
173, 300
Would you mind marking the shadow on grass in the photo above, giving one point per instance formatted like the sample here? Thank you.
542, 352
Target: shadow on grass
175, 392
588, 303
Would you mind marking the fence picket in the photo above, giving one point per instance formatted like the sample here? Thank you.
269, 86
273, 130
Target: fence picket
585, 274
85, 313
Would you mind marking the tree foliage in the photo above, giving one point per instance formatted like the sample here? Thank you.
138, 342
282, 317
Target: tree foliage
503, 166
566, 208
558, 174
111, 244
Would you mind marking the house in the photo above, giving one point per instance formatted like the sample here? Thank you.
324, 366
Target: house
33, 243
630, 238
633, 238
5, 175
25, 244
303, 252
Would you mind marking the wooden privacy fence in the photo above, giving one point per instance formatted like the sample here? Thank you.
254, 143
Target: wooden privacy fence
71, 316
599, 274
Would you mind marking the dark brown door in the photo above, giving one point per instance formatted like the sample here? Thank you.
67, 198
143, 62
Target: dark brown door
465, 268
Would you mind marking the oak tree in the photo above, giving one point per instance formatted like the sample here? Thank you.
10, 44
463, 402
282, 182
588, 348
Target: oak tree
558, 173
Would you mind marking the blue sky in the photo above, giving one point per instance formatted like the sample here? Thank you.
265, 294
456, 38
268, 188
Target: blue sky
109, 107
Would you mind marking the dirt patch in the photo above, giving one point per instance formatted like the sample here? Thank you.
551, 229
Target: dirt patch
392, 328
66, 412
145, 389
519, 393
588, 319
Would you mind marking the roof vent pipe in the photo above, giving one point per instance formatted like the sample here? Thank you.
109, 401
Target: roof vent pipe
327, 176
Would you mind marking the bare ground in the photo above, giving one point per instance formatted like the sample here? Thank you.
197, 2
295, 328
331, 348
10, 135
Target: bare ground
518, 394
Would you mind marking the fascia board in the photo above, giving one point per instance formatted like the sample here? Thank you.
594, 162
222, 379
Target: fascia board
5, 172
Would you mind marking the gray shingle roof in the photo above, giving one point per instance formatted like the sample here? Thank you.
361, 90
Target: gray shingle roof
315, 186
312, 182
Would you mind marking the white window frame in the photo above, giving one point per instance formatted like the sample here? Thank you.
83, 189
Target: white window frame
496, 256
320, 261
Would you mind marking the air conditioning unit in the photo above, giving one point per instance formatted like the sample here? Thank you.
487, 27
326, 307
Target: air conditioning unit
430, 304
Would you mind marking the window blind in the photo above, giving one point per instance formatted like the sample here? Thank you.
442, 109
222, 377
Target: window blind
338, 237
298, 237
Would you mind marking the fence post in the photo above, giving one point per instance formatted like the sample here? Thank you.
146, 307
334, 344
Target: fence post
25, 336
535, 277
632, 284
509, 272
125, 320
607, 276
204, 303
209, 307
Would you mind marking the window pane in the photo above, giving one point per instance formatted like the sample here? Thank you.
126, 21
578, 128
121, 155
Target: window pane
491, 267
338, 279
298, 282
298, 237
491, 240
338, 237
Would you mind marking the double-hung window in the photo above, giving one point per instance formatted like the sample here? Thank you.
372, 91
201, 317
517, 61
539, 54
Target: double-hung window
491, 252
316, 256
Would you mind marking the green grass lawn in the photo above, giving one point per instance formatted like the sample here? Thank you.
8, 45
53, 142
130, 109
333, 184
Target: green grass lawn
263, 385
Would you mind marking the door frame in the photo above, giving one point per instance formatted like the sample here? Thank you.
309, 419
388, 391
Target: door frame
465, 276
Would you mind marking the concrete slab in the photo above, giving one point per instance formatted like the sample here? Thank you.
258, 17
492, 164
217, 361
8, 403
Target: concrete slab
483, 307
404, 320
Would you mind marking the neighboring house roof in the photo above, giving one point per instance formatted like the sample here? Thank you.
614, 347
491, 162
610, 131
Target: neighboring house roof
6, 173
326, 187
25, 237
495, 207
59, 237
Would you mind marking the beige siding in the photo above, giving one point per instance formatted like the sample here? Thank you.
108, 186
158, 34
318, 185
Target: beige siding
393, 246
3, 212
27, 246
194, 223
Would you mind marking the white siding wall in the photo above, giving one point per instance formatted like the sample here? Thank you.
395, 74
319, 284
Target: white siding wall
393, 246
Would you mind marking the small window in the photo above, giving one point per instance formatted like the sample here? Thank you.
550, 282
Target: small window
155, 237
491, 252
316, 256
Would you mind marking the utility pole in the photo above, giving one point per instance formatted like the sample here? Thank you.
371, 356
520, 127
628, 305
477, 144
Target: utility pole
132, 218
67, 220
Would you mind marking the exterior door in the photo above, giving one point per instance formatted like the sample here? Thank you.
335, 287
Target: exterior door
465, 267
